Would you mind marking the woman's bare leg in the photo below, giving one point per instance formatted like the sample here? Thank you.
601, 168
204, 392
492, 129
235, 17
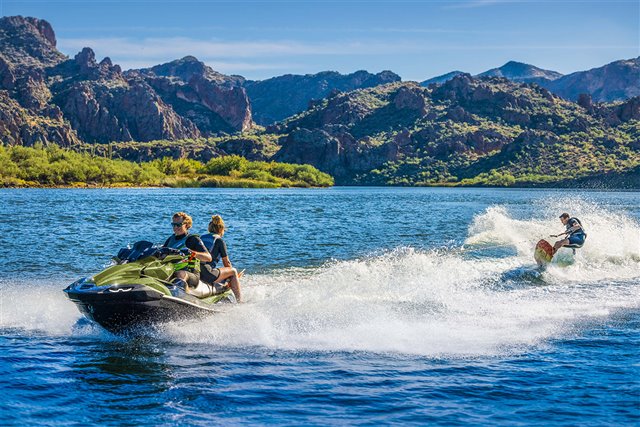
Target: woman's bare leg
234, 280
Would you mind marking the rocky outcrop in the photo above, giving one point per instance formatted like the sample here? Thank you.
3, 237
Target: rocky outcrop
410, 98
280, 97
19, 126
212, 101
104, 106
128, 112
312, 146
28, 42
332, 148
623, 112
628, 110
531, 106
189, 67
7, 77
32, 91
84, 67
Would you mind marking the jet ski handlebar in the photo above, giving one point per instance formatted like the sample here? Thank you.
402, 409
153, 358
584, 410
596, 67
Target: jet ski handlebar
164, 251
144, 249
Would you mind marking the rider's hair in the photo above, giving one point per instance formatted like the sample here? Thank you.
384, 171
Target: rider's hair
185, 218
216, 225
564, 215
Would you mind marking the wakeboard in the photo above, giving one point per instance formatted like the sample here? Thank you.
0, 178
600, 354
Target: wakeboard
543, 254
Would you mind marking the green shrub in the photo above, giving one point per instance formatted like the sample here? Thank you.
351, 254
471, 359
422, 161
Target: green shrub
225, 165
53, 165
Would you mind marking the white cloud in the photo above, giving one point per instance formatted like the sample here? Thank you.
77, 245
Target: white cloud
177, 47
236, 57
180, 46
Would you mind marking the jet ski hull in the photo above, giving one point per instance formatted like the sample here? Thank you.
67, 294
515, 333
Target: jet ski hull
125, 307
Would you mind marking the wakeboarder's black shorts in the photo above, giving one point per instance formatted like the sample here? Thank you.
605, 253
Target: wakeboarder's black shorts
577, 239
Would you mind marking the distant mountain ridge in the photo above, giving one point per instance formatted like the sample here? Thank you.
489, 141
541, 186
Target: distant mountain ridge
520, 72
616, 81
512, 70
277, 98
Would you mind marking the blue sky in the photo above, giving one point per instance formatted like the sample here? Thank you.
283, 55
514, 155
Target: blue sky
416, 39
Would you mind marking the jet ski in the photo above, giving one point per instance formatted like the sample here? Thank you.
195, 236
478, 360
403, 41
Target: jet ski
136, 290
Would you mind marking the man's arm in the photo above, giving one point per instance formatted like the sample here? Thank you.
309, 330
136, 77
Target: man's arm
197, 247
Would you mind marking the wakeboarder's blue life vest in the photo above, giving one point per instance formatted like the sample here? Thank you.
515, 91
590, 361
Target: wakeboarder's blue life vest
572, 222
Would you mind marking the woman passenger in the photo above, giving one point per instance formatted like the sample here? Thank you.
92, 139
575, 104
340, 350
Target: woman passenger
218, 250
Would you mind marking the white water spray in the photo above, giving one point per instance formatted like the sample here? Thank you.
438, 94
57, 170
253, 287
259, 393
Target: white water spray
432, 303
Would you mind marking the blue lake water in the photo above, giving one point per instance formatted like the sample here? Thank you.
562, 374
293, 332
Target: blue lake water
364, 306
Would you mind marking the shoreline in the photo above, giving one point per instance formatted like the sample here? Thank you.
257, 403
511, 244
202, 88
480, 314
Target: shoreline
89, 186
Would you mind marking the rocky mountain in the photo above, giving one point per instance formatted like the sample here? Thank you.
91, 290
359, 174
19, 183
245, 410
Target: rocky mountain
27, 116
189, 67
616, 81
47, 97
280, 97
521, 72
476, 131
103, 105
28, 42
512, 70
212, 101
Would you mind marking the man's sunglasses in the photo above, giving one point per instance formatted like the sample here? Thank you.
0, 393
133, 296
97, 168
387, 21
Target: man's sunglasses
177, 224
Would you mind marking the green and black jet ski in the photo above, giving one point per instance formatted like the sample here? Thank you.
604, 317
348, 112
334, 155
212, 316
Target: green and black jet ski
137, 291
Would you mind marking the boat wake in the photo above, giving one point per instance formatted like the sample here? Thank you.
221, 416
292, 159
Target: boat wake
486, 298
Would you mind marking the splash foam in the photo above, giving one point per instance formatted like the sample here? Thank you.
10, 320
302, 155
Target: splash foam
432, 303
